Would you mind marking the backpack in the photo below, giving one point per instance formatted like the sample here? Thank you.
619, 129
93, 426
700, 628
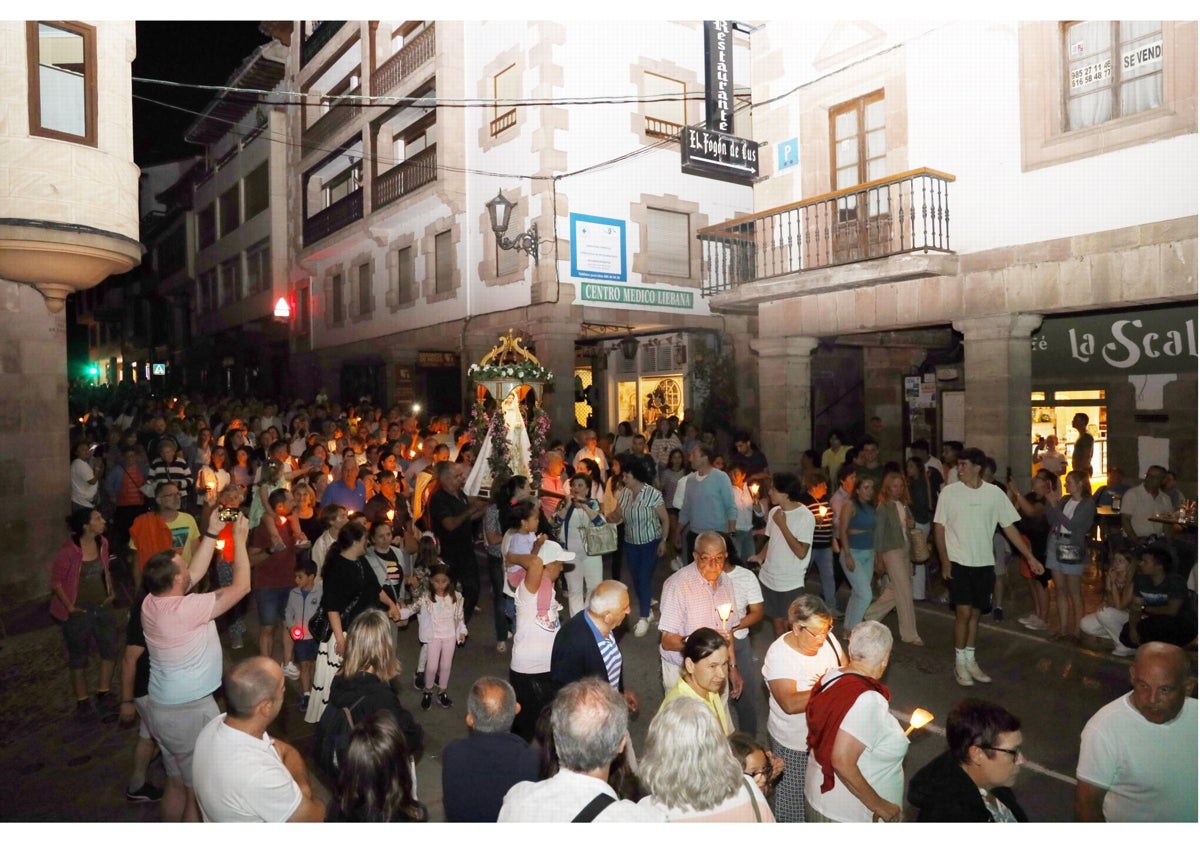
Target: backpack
333, 735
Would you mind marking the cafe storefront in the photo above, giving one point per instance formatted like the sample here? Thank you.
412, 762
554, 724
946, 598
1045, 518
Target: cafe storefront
1133, 372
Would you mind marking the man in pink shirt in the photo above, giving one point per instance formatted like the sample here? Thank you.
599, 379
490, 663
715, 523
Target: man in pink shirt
185, 654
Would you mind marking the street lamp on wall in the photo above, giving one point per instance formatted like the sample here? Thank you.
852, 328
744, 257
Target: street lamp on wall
499, 212
629, 346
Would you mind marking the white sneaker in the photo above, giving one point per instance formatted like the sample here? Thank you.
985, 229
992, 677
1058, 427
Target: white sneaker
1123, 651
641, 628
961, 674
1035, 623
974, 670
291, 671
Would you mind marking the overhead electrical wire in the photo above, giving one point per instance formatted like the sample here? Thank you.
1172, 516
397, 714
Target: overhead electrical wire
600, 166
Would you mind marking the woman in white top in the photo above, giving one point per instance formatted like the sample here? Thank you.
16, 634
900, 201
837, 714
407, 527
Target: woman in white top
533, 642
792, 666
691, 772
576, 512
863, 779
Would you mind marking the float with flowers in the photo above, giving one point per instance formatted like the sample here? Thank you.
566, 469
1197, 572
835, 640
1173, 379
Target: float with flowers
511, 436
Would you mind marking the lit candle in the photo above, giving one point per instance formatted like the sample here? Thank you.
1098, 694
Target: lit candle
282, 520
823, 510
754, 490
333, 446
220, 543
329, 477
724, 611
391, 514
920, 718
297, 633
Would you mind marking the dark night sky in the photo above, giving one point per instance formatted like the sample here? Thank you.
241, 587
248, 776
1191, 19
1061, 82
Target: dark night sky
204, 52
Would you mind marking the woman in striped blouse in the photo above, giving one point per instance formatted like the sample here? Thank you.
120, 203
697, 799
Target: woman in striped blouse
641, 509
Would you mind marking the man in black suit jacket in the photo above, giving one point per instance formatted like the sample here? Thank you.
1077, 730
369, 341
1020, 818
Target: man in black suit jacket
584, 642
478, 771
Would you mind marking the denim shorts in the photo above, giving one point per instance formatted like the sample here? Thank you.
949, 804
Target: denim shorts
305, 650
271, 603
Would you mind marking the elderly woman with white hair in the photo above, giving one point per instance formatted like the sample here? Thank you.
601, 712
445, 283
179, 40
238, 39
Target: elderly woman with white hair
690, 773
856, 767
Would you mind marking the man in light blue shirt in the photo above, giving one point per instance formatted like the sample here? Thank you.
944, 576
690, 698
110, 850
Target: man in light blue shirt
708, 504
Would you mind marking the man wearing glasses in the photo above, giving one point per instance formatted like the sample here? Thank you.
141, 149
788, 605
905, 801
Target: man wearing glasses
166, 527
693, 598
972, 781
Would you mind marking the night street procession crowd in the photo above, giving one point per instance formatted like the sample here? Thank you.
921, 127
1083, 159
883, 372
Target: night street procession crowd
343, 524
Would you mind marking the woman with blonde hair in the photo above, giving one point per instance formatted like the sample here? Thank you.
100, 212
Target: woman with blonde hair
893, 520
690, 773
364, 686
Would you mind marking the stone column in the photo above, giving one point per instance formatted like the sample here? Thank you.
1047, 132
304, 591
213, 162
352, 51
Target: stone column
556, 350
35, 459
785, 394
743, 356
997, 374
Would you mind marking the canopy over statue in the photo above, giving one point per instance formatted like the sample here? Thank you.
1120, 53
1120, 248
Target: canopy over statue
508, 444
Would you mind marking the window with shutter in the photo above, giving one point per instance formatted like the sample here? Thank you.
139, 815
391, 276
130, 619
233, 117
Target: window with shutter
668, 243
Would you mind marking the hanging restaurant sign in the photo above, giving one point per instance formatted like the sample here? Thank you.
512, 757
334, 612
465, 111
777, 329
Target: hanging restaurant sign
713, 151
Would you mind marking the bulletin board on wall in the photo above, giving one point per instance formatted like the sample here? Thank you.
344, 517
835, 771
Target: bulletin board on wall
954, 415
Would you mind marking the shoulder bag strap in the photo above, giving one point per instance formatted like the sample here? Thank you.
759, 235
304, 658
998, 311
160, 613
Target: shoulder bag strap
596, 806
753, 800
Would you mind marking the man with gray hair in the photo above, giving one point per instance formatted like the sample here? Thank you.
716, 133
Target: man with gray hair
477, 771
586, 646
241, 773
591, 727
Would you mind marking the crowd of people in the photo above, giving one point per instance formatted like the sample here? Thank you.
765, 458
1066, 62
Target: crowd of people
342, 524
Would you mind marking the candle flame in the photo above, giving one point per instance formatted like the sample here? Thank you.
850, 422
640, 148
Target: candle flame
823, 510
220, 544
724, 610
329, 477
391, 514
920, 718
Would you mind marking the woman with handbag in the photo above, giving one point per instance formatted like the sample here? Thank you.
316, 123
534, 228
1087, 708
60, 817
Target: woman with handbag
350, 588
577, 514
893, 523
1066, 552
641, 508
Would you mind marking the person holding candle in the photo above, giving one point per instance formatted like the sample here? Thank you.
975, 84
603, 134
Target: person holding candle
790, 527
856, 773
972, 781
793, 665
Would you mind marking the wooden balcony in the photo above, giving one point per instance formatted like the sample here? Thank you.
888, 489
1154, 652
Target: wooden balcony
319, 38
341, 110
404, 178
502, 122
662, 129
902, 214
334, 217
404, 62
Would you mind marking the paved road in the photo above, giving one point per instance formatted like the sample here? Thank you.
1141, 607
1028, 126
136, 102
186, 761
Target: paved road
66, 770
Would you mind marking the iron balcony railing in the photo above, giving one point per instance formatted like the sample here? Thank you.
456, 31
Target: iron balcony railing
404, 62
402, 179
318, 39
901, 214
334, 217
